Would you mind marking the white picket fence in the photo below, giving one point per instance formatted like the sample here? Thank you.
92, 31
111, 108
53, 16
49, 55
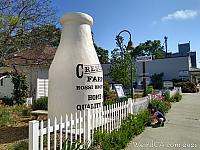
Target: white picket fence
174, 91
81, 125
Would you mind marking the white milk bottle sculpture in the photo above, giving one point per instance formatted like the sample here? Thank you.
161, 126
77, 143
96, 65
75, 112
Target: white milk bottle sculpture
75, 75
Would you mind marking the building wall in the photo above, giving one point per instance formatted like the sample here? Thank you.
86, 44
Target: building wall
33, 73
6, 87
169, 66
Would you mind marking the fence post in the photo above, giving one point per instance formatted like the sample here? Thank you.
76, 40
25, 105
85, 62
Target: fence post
130, 105
88, 127
34, 135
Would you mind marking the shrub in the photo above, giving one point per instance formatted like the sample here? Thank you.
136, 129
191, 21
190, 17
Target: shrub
162, 106
138, 95
150, 90
40, 104
177, 97
7, 101
187, 86
167, 96
5, 118
118, 139
26, 112
22, 145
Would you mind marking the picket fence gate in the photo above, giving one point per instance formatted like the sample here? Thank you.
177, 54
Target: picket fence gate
81, 125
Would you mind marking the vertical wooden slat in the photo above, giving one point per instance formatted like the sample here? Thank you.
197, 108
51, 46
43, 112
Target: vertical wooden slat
80, 121
41, 137
71, 130
66, 130
76, 126
84, 127
114, 124
54, 132
96, 118
118, 115
61, 132
122, 107
113, 116
93, 122
126, 108
102, 123
48, 135
33, 135
110, 118
107, 118
104, 118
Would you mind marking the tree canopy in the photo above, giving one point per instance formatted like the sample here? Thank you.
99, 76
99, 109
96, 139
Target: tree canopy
120, 63
121, 58
19, 19
102, 54
151, 48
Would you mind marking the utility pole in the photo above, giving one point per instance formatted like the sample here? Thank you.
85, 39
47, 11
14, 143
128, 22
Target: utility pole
166, 43
144, 79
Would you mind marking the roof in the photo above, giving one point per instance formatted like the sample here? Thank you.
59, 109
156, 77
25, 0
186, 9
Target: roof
6, 69
31, 57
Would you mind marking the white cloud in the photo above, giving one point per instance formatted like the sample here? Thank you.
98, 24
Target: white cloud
181, 15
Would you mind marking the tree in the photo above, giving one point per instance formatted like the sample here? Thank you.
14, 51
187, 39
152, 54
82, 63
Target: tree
157, 81
18, 18
151, 48
102, 54
120, 63
20, 91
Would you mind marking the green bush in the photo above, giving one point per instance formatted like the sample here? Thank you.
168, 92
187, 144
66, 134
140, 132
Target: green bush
40, 104
7, 101
5, 118
118, 139
22, 145
26, 112
187, 86
177, 97
150, 90
138, 95
167, 96
162, 106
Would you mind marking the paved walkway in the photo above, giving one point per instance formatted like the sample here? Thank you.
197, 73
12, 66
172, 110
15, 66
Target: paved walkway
181, 131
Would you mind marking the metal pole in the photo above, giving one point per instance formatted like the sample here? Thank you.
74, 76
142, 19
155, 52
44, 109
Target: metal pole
144, 78
131, 78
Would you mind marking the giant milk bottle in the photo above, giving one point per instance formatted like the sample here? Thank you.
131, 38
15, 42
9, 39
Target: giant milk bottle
75, 75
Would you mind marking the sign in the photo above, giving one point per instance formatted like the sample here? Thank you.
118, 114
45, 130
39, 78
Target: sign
167, 84
119, 90
144, 58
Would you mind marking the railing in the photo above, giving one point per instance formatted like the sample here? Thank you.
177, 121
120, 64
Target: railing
174, 91
81, 125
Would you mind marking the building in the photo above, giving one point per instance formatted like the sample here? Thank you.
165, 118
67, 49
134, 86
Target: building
35, 65
181, 65
6, 86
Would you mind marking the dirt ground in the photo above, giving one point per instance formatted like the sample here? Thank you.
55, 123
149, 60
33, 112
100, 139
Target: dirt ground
12, 134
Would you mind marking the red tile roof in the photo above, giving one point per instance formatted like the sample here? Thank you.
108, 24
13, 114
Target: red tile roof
31, 57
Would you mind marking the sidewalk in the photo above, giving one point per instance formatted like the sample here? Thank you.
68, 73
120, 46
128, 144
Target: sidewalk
181, 131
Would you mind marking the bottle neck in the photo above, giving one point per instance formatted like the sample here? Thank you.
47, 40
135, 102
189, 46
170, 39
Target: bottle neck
76, 36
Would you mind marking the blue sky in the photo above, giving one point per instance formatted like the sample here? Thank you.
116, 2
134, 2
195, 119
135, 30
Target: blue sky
146, 20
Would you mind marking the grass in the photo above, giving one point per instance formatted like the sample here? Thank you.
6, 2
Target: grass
9, 114
21, 145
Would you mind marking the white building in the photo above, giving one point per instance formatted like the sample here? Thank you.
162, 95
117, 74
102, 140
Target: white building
35, 65
172, 68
